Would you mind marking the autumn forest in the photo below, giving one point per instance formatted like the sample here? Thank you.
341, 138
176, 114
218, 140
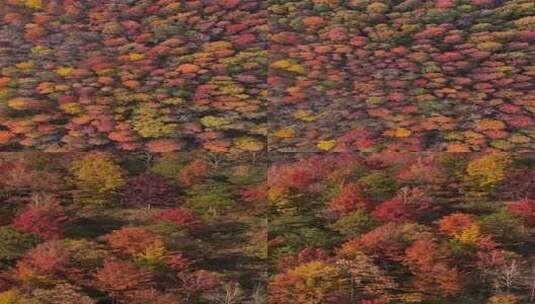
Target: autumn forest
267, 152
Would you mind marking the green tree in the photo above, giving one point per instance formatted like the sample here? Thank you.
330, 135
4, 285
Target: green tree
354, 224
380, 186
14, 244
211, 198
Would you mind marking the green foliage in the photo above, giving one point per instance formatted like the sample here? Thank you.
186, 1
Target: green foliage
379, 185
438, 15
503, 226
14, 244
354, 224
211, 199
298, 232
169, 165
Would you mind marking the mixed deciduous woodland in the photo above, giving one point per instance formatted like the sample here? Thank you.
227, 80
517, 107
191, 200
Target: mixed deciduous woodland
435, 75
130, 228
267, 151
150, 75
402, 228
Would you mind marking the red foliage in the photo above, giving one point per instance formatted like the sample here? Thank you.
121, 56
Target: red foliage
352, 197
44, 217
384, 241
449, 56
131, 240
305, 256
445, 3
183, 218
524, 209
456, 223
373, 302
119, 276
151, 190
392, 210
197, 282
193, 172
429, 264
406, 206
20, 176
46, 261
519, 185
178, 262
430, 32
256, 194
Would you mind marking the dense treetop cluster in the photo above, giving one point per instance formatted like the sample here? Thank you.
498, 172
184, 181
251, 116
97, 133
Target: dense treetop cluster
155, 75
338, 75
413, 75
402, 228
109, 229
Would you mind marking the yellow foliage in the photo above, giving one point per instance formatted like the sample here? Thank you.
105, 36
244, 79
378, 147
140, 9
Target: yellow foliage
217, 46
526, 21
249, 144
287, 132
316, 280
148, 122
41, 50
489, 46
136, 56
4, 92
458, 148
61, 87
97, 174
504, 299
377, 7
288, 65
174, 6
305, 116
215, 122
491, 124
473, 135
470, 235
71, 108
231, 89
64, 71
23, 103
278, 198
154, 253
296, 68
25, 65
411, 298
35, 4
12, 296
401, 132
326, 145
104, 72
281, 64
488, 170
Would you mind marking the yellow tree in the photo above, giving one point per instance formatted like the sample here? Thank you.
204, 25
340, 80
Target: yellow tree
97, 177
311, 283
485, 173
